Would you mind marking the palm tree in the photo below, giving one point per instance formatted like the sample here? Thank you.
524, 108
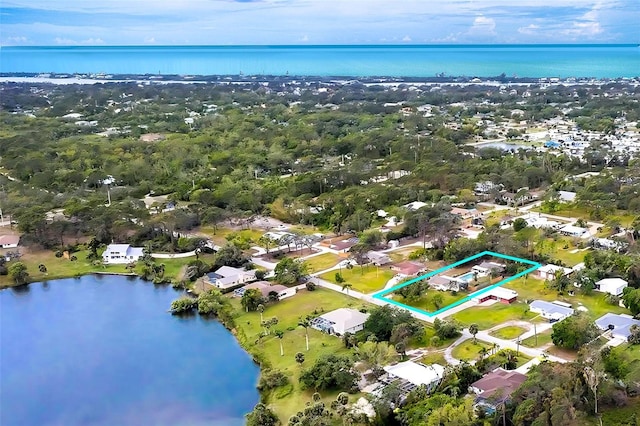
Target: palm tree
305, 322
473, 329
280, 334
483, 352
346, 286
260, 308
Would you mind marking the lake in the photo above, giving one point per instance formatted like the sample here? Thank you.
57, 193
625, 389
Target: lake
103, 350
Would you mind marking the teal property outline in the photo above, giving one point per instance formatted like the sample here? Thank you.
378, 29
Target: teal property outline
380, 295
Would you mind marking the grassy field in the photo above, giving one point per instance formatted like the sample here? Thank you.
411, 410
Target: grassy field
490, 316
509, 332
544, 338
595, 303
426, 301
366, 280
292, 399
322, 262
220, 236
435, 357
469, 351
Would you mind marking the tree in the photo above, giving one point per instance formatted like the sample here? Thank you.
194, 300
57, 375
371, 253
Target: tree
251, 299
437, 300
631, 299
266, 242
573, 332
634, 336
260, 308
262, 416
280, 334
211, 302
373, 355
305, 322
183, 305
383, 319
18, 273
346, 286
299, 358
473, 329
289, 271
42, 268
339, 278
446, 329
330, 372
519, 224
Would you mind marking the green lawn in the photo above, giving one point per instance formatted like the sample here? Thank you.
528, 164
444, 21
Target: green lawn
490, 316
509, 332
220, 236
469, 351
435, 357
367, 279
322, 262
544, 338
426, 301
288, 402
532, 289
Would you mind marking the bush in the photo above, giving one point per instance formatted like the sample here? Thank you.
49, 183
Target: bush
271, 379
183, 305
310, 286
59, 254
331, 372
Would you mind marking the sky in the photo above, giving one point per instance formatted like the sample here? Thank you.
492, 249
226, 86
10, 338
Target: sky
278, 22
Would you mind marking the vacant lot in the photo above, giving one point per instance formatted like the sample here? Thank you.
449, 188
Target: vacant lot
367, 279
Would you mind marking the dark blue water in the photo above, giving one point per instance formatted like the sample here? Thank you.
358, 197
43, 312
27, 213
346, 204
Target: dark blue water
104, 351
600, 61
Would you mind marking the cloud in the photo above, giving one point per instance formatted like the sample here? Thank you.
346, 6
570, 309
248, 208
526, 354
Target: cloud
304, 38
406, 38
483, 25
70, 42
150, 40
529, 29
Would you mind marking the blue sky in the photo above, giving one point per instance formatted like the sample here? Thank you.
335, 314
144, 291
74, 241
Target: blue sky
232, 22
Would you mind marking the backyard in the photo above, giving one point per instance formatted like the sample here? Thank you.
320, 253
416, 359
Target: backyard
290, 399
489, 316
322, 262
367, 279
429, 302
470, 351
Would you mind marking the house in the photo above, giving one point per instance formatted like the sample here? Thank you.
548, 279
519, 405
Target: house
414, 205
378, 258
496, 387
486, 187
574, 231
344, 245
548, 272
613, 286
465, 214
619, 324
226, 277
567, 196
340, 321
267, 289
608, 244
408, 269
9, 241
553, 311
486, 268
417, 374
122, 253
500, 294
444, 283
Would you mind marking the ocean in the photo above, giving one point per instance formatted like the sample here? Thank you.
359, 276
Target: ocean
104, 351
597, 61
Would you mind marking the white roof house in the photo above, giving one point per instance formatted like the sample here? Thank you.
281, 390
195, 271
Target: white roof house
612, 286
549, 310
567, 196
417, 374
340, 321
575, 231
226, 277
619, 324
548, 272
378, 258
122, 253
414, 205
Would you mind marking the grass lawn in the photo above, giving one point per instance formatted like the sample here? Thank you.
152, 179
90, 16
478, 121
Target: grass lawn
435, 357
509, 332
490, 316
426, 302
544, 338
531, 289
469, 351
220, 236
402, 253
366, 280
289, 400
322, 262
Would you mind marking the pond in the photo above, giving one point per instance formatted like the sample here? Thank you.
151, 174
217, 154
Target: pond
105, 351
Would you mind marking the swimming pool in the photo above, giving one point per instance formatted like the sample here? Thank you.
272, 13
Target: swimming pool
467, 277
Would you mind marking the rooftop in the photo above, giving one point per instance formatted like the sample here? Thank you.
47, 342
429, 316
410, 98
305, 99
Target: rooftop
550, 308
499, 383
416, 374
349, 317
620, 323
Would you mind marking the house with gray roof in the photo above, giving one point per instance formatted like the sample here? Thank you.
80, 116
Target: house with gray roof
121, 253
619, 324
340, 321
227, 277
549, 310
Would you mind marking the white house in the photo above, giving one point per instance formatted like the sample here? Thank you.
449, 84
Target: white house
122, 253
548, 272
340, 321
267, 289
414, 205
378, 258
484, 269
9, 241
612, 286
567, 196
575, 231
550, 310
619, 324
226, 277
417, 374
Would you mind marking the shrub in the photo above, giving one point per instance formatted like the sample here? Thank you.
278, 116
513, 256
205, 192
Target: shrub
272, 379
310, 286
